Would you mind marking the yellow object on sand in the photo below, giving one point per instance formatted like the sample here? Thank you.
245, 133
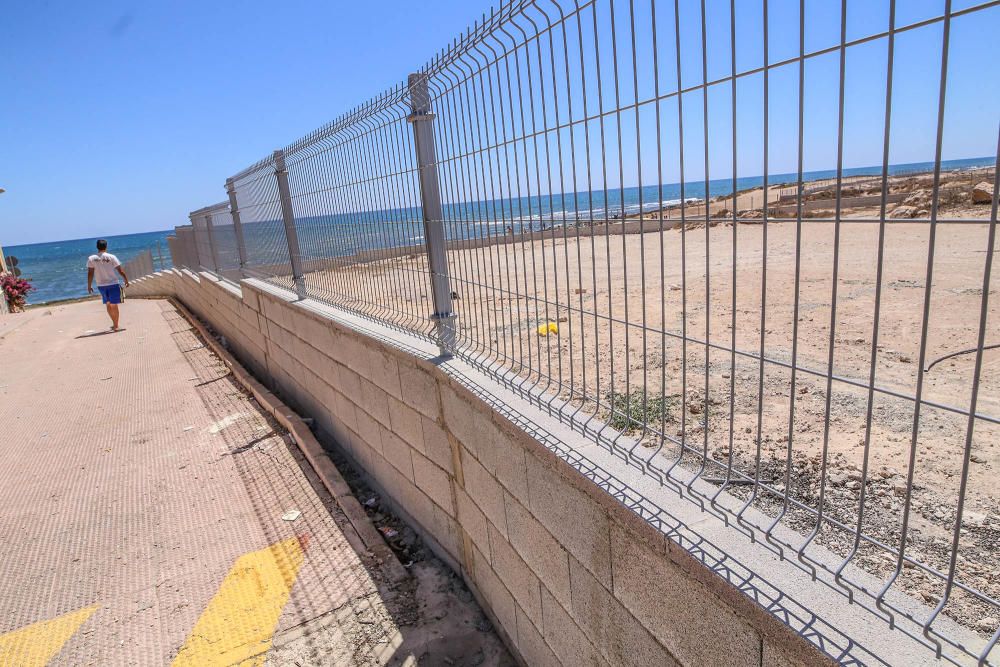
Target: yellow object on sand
547, 328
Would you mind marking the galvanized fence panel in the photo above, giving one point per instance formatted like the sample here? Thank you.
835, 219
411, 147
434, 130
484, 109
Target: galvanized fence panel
219, 226
259, 208
613, 199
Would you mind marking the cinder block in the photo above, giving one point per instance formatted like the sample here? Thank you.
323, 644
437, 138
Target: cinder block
472, 520
419, 388
397, 453
369, 430
567, 640
620, 638
682, 614
344, 410
511, 468
573, 518
327, 368
313, 331
497, 597
376, 402
530, 644
474, 429
436, 445
539, 549
251, 299
448, 534
338, 344
390, 479
349, 384
354, 353
775, 656
485, 491
405, 422
384, 371
516, 575
275, 311
433, 481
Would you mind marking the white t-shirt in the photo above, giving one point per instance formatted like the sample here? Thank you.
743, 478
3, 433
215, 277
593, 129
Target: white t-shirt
104, 265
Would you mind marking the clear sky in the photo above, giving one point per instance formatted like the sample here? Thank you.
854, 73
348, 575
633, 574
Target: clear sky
123, 117
120, 117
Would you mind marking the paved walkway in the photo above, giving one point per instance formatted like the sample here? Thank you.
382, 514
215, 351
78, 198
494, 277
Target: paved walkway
151, 514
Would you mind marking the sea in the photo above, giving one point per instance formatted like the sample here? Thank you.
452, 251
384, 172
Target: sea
58, 269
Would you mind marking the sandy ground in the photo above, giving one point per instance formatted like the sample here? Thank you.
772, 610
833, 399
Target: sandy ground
136, 472
630, 313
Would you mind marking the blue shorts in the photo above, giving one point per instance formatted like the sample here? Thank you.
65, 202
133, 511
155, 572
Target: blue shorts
110, 293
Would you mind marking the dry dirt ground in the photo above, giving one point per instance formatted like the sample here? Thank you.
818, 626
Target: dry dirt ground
629, 346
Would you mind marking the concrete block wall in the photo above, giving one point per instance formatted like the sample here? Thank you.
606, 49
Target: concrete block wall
569, 574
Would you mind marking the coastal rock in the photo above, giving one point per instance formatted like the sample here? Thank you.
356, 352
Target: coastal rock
919, 199
982, 193
974, 519
903, 212
987, 624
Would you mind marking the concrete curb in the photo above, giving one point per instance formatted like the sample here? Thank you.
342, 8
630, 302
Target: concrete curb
310, 448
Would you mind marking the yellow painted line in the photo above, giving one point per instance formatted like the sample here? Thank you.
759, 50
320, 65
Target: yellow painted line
238, 623
34, 645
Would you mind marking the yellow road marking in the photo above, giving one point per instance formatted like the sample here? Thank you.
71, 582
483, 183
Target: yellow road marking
238, 623
34, 645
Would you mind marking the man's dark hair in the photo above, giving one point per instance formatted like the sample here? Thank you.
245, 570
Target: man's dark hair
102, 245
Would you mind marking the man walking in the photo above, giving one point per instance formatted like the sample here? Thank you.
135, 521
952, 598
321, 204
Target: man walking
103, 266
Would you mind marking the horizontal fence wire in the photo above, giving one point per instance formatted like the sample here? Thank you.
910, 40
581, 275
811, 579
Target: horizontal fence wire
260, 216
656, 227
204, 252
223, 232
353, 189
185, 244
140, 265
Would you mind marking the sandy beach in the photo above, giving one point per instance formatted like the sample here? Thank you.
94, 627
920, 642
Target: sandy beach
633, 313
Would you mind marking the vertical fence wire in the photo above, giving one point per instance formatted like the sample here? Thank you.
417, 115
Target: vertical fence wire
660, 226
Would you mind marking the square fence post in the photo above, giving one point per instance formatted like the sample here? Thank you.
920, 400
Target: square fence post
422, 121
191, 249
288, 218
211, 242
234, 212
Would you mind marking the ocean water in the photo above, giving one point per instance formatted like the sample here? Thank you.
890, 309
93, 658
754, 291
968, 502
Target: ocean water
58, 271
337, 235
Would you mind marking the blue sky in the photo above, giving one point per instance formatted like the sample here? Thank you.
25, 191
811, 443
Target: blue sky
123, 117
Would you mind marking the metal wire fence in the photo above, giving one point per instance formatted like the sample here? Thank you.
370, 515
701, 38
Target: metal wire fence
606, 205
140, 265
146, 262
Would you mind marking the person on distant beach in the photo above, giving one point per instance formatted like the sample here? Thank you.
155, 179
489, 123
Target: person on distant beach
105, 267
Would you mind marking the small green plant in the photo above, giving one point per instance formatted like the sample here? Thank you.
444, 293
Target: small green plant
628, 412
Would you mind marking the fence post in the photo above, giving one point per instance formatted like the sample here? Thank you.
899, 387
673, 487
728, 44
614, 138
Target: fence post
159, 254
211, 243
422, 121
291, 236
234, 212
